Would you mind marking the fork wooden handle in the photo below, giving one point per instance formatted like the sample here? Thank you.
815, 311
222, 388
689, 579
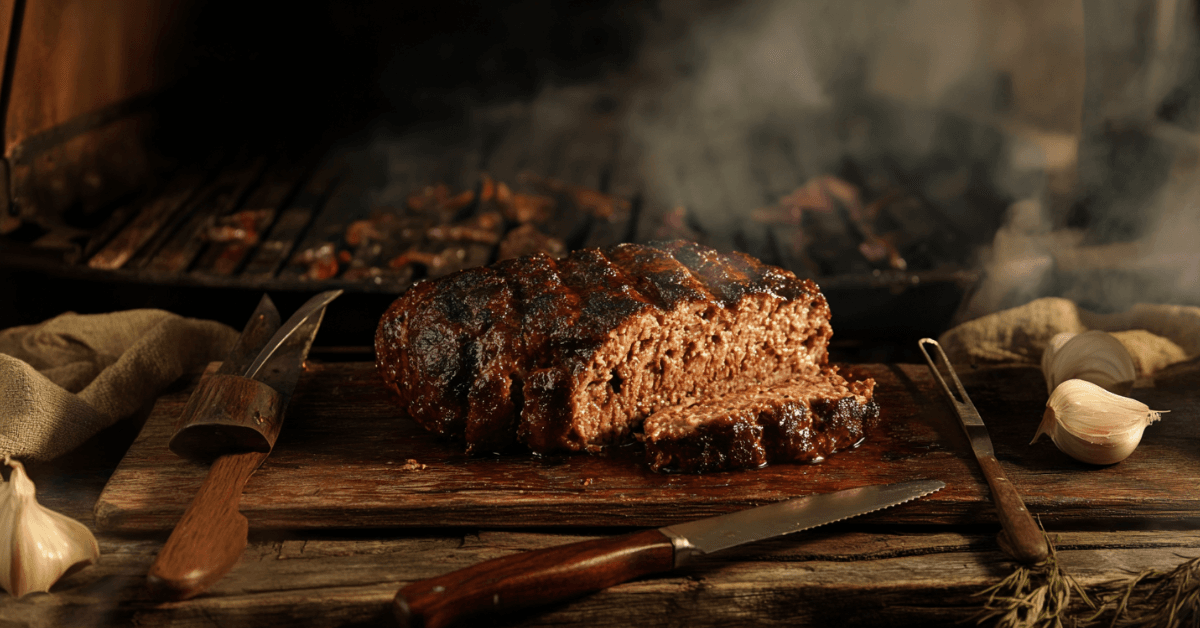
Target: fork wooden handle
1022, 538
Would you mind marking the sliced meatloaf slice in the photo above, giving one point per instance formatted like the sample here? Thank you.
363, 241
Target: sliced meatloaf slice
802, 420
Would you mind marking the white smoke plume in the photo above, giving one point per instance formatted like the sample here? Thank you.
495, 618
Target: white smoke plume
721, 80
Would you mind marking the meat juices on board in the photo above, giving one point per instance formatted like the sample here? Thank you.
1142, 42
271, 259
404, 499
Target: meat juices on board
575, 354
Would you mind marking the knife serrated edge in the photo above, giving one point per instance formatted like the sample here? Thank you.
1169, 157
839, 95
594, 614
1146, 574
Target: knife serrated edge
705, 536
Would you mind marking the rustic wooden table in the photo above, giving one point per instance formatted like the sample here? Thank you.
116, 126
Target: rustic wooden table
921, 565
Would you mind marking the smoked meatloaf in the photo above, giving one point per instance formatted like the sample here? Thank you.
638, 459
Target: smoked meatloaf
715, 360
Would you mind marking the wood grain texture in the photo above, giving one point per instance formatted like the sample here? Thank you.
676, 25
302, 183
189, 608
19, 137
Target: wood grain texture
532, 579
8, 14
211, 536
348, 458
838, 575
76, 131
1020, 536
228, 413
76, 56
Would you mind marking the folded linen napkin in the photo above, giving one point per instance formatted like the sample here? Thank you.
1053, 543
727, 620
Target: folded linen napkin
65, 379
1156, 335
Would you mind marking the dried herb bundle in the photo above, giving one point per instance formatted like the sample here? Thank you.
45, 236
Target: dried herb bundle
1035, 597
1044, 596
1153, 598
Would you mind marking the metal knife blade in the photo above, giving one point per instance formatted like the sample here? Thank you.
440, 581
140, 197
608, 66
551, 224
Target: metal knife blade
706, 536
558, 573
281, 370
263, 323
314, 306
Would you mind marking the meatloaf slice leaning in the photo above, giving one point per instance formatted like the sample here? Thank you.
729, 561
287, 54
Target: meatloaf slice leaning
802, 420
574, 354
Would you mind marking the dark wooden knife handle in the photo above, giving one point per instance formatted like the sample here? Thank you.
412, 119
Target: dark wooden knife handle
211, 536
1021, 536
226, 414
532, 578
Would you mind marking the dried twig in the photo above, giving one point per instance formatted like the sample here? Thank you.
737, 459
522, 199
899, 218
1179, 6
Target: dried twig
1154, 598
1044, 596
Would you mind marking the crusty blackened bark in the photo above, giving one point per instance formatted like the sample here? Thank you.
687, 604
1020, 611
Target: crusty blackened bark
574, 354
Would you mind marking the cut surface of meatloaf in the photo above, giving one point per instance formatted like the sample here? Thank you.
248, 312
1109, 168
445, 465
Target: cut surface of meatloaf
573, 354
802, 420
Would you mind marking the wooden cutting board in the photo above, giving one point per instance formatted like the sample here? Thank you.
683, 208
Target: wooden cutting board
348, 458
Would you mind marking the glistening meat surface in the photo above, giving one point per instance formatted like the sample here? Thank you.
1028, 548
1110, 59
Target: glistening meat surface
575, 354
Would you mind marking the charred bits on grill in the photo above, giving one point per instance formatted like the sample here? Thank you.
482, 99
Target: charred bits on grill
830, 194
438, 231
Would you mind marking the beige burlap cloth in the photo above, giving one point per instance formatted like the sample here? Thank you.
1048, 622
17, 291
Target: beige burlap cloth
65, 379
1156, 335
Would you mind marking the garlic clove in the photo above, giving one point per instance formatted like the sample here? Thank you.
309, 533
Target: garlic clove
1052, 349
38, 545
1093, 425
1094, 356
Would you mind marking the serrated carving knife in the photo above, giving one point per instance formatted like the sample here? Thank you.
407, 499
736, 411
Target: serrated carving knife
558, 573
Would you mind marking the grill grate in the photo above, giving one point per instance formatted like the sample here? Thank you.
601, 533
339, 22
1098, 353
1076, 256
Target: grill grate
263, 220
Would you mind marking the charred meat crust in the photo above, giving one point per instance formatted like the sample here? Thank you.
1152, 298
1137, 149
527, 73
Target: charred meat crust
659, 276
436, 349
574, 354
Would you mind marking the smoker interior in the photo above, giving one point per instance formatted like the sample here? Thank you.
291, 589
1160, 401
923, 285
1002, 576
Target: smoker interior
299, 152
163, 245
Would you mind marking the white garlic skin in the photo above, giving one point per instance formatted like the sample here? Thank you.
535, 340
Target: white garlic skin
38, 545
1093, 425
1094, 356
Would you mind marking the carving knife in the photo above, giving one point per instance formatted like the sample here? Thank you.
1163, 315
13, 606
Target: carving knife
1019, 534
232, 421
558, 573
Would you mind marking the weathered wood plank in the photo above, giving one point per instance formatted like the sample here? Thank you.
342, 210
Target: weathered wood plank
7, 15
836, 575
342, 419
79, 124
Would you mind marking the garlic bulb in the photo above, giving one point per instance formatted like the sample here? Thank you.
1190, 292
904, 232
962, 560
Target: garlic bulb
1094, 356
1093, 425
38, 545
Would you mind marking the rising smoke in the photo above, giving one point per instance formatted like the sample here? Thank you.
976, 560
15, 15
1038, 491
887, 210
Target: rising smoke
741, 102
